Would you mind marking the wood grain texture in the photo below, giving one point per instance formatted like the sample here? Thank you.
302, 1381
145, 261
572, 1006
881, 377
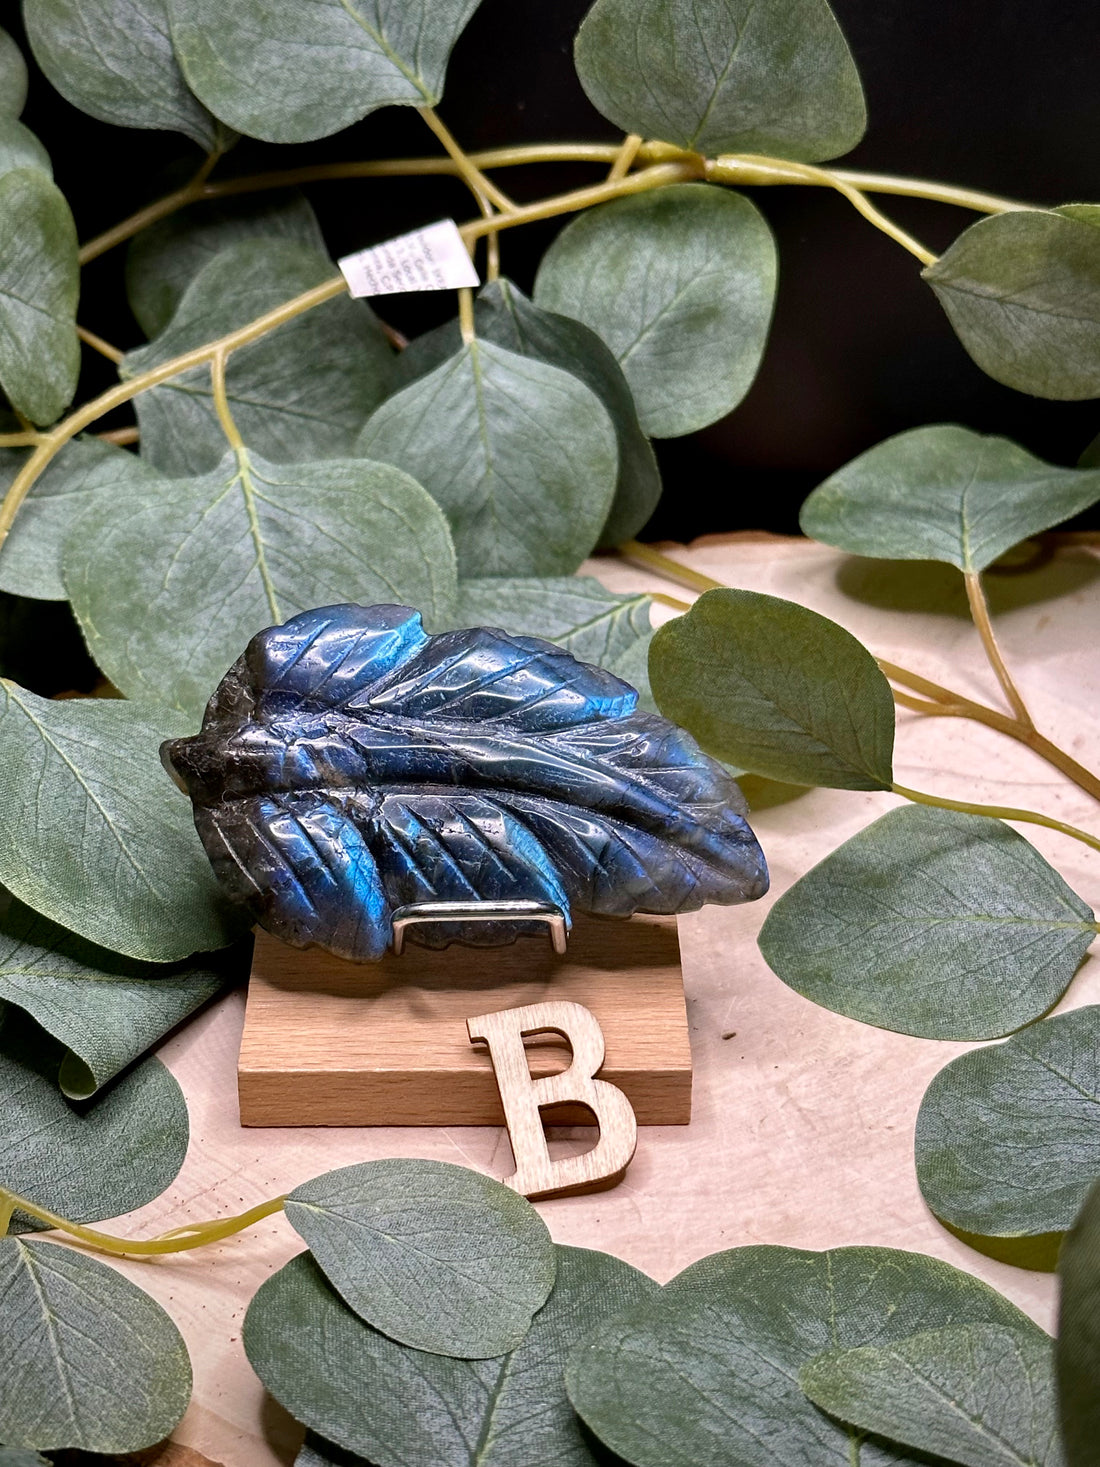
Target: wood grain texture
332, 1043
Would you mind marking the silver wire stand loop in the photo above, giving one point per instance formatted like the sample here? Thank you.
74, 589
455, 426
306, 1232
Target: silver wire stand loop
505, 911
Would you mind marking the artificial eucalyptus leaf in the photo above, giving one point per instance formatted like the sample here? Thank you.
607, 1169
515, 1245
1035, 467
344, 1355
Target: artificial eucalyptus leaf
520, 455
725, 76
944, 493
1077, 1350
434, 1256
114, 60
30, 558
706, 1370
679, 282
978, 1394
1008, 1136
84, 1162
288, 73
212, 560
776, 689
39, 286
1086, 213
931, 922
105, 1009
19, 148
13, 77
401, 1407
112, 853
1022, 291
21, 1457
164, 259
301, 392
125, 1393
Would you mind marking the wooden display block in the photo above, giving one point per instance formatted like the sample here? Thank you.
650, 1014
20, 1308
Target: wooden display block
332, 1043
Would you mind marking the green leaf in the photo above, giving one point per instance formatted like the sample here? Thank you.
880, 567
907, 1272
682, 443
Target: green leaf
1077, 1350
39, 285
1022, 291
979, 1394
111, 853
13, 77
706, 1371
104, 1009
679, 283
89, 1162
504, 315
934, 923
21, 1457
301, 392
944, 493
213, 560
165, 258
114, 60
725, 76
126, 1393
30, 558
289, 74
590, 622
19, 148
777, 690
1008, 1137
519, 455
400, 1407
434, 1256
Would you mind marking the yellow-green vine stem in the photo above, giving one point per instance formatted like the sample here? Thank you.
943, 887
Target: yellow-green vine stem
979, 611
104, 348
998, 812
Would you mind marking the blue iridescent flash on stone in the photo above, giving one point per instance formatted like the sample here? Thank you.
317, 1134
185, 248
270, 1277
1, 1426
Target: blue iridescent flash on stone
349, 765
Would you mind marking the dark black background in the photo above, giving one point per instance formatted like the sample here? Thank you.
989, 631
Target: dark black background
995, 94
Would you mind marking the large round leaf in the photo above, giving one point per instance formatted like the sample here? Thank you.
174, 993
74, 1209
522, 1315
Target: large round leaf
1008, 1137
400, 1407
435, 1256
13, 77
520, 456
289, 73
577, 612
776, 689
1077, 1352
944, 493
725, 76
39, 286
88, 1360
19, 148
114, 60
931, 922
171, 581
679, 283
1022, 291
707, 1370
111, 853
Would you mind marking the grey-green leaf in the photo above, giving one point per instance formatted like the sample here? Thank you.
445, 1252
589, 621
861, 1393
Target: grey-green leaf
400, 1407
288, 73
125, 1394
776, 689
1022, 291
1077, 1351
725, 76
931, 922
679, 282
114, 60
30, 558
19, 148
301, 392
504, 315
707, 1370
251, 544
97, 837
21, 1457
104, 1009
944, 493
1008, 1136
520, 456
435, 1256
165, 258
89, 1162
577, 612
978, 1394
39, 286
13, 77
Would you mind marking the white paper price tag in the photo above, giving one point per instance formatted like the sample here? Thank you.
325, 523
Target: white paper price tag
432, 258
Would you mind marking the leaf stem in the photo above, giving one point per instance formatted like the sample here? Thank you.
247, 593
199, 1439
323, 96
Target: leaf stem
121, 436
104, 348
29, 439
468, 170
179, 1240
221, 400
979, 610
624, 158
998, 812
466, 314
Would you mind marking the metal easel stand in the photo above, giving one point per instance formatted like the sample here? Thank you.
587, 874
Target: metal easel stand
503, 911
